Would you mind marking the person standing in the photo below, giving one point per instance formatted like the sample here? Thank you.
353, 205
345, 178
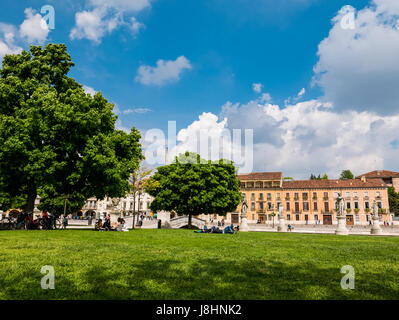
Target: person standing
64, 222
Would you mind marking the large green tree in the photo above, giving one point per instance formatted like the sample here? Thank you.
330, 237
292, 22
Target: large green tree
56, 140
192, 186
346, 174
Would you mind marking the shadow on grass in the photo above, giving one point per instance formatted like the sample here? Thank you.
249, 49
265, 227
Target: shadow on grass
206, 279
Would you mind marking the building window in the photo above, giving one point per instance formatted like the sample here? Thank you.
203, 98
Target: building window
326, 207
378, 194
278, 195
306, 217
356, 205
297, 217
261, 205
306, 206
325, 195
296, 196
348, 205
269, 196
355, 194
288, 217
366, 194
252, 206
288, 207
252, 196
315, 206
316, 217
366, 205
314, 195
296, 206
269, 206
287, 196
305, 196
348, 194
260, 196
244, 195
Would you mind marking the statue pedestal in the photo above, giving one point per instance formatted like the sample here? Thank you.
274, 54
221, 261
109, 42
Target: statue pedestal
244, 223
375, 228
281, 226
341, 229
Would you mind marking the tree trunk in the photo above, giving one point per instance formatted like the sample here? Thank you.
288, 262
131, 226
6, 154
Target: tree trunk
134, 208
30, 202
189, 220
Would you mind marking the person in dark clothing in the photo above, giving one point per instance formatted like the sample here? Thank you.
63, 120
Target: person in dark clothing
107, 223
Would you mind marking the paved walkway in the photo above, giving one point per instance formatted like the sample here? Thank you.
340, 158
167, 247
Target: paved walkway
359, 230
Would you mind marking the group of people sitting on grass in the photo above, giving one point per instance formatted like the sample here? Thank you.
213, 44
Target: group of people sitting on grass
229, 229
106, 226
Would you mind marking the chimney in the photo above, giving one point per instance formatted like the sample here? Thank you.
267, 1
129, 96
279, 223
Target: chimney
363, 178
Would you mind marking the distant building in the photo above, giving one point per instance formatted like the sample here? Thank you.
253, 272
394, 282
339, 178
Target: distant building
390, 178
310, 201
100, 208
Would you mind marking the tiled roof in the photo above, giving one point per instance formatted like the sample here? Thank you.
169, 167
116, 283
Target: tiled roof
261, 176
333, 184
380, 174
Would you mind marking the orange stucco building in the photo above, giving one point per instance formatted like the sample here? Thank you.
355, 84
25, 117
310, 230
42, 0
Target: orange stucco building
311, 201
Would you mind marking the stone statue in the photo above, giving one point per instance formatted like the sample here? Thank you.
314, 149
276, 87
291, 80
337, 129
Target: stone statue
115, 202
375, 209
340, 205
244, 209
341, 216
281, 226
375, 228
281, 212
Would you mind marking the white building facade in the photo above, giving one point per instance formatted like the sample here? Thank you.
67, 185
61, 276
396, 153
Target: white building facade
125, 207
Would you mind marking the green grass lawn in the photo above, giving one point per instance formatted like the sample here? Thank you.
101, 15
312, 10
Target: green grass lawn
179, 264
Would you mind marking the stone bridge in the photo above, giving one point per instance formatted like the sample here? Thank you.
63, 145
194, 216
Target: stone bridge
182, 221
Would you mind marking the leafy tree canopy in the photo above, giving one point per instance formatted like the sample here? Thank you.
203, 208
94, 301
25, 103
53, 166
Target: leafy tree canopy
193, 186
56, 139
319, 177
393, 198
346, 174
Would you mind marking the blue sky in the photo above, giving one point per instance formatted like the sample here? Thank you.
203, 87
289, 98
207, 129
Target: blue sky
230, 45
217, 50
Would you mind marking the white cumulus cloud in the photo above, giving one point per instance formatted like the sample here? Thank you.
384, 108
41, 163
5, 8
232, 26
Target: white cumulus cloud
358, 67
164, 72
34, 29
103, 17
89, 90
257, 87
7, 40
